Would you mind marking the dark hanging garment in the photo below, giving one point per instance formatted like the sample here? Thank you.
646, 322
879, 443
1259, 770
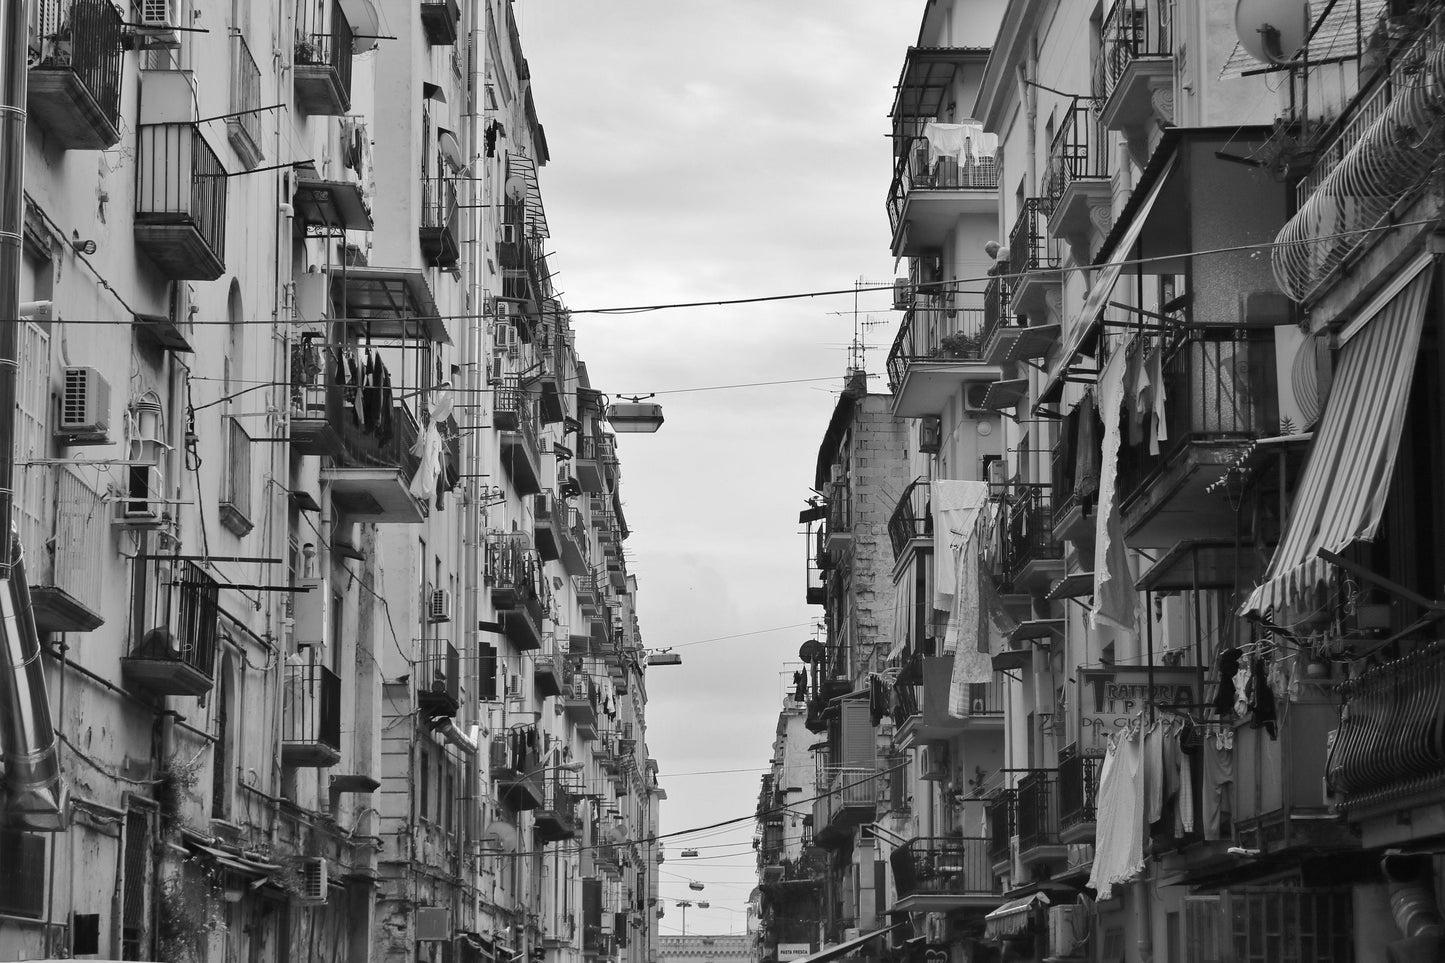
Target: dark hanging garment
351, 384
1225, 697
371, 393
385, 401
1087, 455
1263, 706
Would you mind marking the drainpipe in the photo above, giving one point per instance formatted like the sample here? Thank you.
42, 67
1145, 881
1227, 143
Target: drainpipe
34, 796
1412, 901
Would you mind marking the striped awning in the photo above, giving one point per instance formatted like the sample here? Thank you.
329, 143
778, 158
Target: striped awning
1341, 495
1013, 917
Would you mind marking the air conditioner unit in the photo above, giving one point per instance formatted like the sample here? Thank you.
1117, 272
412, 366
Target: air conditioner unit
140, 504
509, 234
902, 294
84, 408
930, 435
433, 923
158, 19
1068, 928
996, 474
314, 879
933, 761
974, 394
504, 338
440, 607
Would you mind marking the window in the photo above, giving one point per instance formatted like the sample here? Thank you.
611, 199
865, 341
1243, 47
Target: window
236, 483
22, 885
135, 886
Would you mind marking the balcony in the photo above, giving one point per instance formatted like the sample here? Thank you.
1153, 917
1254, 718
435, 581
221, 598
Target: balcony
438, 230
1219, 395
438, 673
932, 722
1036, 816
243, 128
556, 818
576, 544
579, 701
1078, 788
518, 771
1076, 182
322, 62
330, 208
547, 525
173, 650
515, 413
180, 208
66, 583
937, 352
938, 875
848, 798
839, 530
311, 722
439, 22
1033, 557
591, 463
371, 471
998, 815
519, 589
548, 676
930, 193
1135, 72
910, 527
73, 88
1375, 768
1038, 290
1073, 516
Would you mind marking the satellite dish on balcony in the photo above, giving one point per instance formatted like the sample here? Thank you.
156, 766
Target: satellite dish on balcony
1272, 31
516, 188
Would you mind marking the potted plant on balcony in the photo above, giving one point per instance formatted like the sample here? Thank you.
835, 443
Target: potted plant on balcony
959, 345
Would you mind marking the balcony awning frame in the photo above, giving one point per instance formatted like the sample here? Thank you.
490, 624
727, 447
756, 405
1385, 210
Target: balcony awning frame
924, 81
1118, 248
387, 303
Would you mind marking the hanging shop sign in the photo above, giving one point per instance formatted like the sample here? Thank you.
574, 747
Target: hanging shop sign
1108, 698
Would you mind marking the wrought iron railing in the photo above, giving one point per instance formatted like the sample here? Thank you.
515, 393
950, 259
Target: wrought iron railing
1029, 245
1037, 811
324, 37
438, 203
180, 625
1079, 151
1219, 385
1390, 745
1078, 786
997, 306
934, 330
312, 714
84, 37
78, 556
912, 517
236, 490
916, 170
999, 815
1029, 527
245, 90
1132, 29
438, 670
943, 865
180, 180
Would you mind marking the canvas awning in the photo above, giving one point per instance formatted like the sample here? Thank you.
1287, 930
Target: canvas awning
847, 946
1102, 288
1342, 493
1013, 917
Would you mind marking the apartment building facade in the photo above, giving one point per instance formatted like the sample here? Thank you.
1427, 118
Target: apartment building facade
1165, 574
335, 650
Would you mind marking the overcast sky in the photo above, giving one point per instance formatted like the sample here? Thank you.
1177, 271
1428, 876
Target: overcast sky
714, 149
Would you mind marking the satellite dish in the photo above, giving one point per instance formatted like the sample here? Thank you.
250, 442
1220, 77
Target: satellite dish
516, 187
1272, 31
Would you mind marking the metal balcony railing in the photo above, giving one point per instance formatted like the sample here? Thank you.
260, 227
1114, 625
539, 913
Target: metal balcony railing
1219, 385
1029, 246
935, 330
1029, 527
916, 171
180, 181
312, 714
1037, 811
84, 37
944, 866
1389, 747
174, 637
997, 307
1132, 29
1079, 151
245, 92
324, 38
1078, 786
999, 816
438, 673
912, 517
